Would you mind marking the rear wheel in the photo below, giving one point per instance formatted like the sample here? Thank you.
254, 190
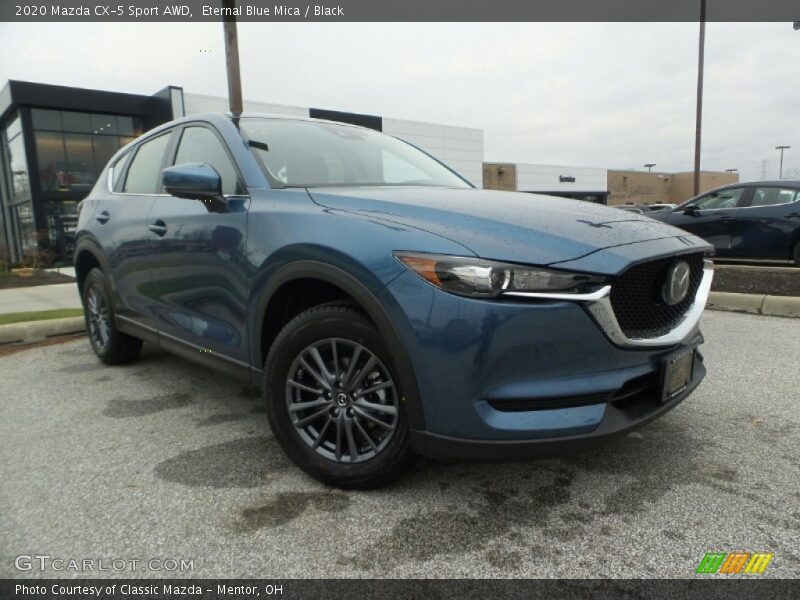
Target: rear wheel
333, 401
109, 344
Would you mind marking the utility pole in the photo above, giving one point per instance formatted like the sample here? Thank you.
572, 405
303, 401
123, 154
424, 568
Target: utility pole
649, 166
232, 57
699, 120
780, 169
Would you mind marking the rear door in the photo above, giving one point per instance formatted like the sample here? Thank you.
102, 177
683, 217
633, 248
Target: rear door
711, 216
767, 225
198, 283
122, 225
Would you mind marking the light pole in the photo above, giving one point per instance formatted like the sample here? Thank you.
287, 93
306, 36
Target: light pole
649, 166
780, 170
232, 58
699, 118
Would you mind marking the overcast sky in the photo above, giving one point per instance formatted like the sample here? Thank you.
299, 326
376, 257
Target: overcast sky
607, 95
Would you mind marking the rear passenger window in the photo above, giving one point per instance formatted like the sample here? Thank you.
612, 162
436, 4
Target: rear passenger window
144, 174
770, 196
119, 169
199, 144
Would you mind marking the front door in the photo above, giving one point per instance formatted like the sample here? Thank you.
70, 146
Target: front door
198, 283
711, 217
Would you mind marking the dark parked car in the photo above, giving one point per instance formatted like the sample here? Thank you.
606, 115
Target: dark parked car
746, 220
387, 307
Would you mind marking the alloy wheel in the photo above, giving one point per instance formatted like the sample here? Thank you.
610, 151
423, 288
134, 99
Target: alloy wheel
98, 317
342, 400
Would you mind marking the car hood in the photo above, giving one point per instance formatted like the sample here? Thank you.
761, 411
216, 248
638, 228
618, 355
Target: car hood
509, 226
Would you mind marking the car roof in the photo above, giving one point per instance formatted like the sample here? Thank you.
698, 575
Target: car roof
786, 182
228, 116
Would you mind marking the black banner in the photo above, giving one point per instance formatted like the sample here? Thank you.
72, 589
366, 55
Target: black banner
399, 10
711, 588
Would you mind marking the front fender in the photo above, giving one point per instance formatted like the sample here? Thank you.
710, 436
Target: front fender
364, 294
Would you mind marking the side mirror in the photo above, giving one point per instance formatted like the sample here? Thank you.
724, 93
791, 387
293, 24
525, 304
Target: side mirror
691, 210
194, 181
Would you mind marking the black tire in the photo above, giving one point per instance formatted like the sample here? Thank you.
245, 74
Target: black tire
109, 344
796, 254
335, 331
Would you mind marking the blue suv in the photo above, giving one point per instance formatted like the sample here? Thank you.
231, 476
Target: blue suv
387, 307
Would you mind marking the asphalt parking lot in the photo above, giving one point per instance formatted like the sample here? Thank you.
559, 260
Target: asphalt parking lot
164, 459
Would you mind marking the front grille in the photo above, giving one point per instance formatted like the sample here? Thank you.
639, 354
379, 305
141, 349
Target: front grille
636, 296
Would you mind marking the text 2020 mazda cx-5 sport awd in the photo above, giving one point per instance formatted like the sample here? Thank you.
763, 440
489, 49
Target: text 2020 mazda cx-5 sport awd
388, 307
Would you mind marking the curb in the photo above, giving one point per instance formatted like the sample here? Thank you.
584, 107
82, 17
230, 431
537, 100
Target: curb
757, 304
35, 331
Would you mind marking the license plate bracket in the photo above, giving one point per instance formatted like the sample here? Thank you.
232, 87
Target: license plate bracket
676, 373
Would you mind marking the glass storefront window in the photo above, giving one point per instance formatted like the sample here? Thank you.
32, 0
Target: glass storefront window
80, 162
75, 121
52, 161
22, 219
49, 120
71, 148
104, 124
14, 128
105, 146
70, 161
20, 186
125, 126
62, 221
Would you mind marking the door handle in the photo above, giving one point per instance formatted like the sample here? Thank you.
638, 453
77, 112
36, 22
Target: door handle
158, 227
726, 219
103, 217
794, 215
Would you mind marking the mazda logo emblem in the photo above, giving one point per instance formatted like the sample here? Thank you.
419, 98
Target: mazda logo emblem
677, 284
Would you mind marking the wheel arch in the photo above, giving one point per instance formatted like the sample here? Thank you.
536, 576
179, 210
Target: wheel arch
88, 256
354, 289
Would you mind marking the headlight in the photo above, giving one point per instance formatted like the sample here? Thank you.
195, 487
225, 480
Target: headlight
484, 278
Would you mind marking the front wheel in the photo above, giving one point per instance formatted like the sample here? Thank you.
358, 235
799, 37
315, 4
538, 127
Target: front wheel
109, 344
333, 400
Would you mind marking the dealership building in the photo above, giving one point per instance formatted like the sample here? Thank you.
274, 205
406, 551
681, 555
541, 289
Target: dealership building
55, 140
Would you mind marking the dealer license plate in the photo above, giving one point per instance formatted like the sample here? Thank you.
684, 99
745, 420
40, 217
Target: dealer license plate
677, 373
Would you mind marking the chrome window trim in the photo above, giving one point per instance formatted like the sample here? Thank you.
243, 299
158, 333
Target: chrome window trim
598, 304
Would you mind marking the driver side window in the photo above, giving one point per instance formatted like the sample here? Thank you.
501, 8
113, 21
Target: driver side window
199, 144
720, 199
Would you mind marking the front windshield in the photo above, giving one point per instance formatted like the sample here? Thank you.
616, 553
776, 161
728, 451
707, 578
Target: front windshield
311, 153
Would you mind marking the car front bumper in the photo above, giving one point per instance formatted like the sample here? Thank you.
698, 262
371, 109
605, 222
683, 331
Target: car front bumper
618, 420
506, 379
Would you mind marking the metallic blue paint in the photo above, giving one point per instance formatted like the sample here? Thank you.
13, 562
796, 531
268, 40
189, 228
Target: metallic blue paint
206, 278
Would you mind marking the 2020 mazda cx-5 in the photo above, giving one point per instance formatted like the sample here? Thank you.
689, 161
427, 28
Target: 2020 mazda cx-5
388, 307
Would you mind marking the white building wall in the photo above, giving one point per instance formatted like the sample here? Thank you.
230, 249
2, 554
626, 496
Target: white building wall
547, 178
199, 103
460, 148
